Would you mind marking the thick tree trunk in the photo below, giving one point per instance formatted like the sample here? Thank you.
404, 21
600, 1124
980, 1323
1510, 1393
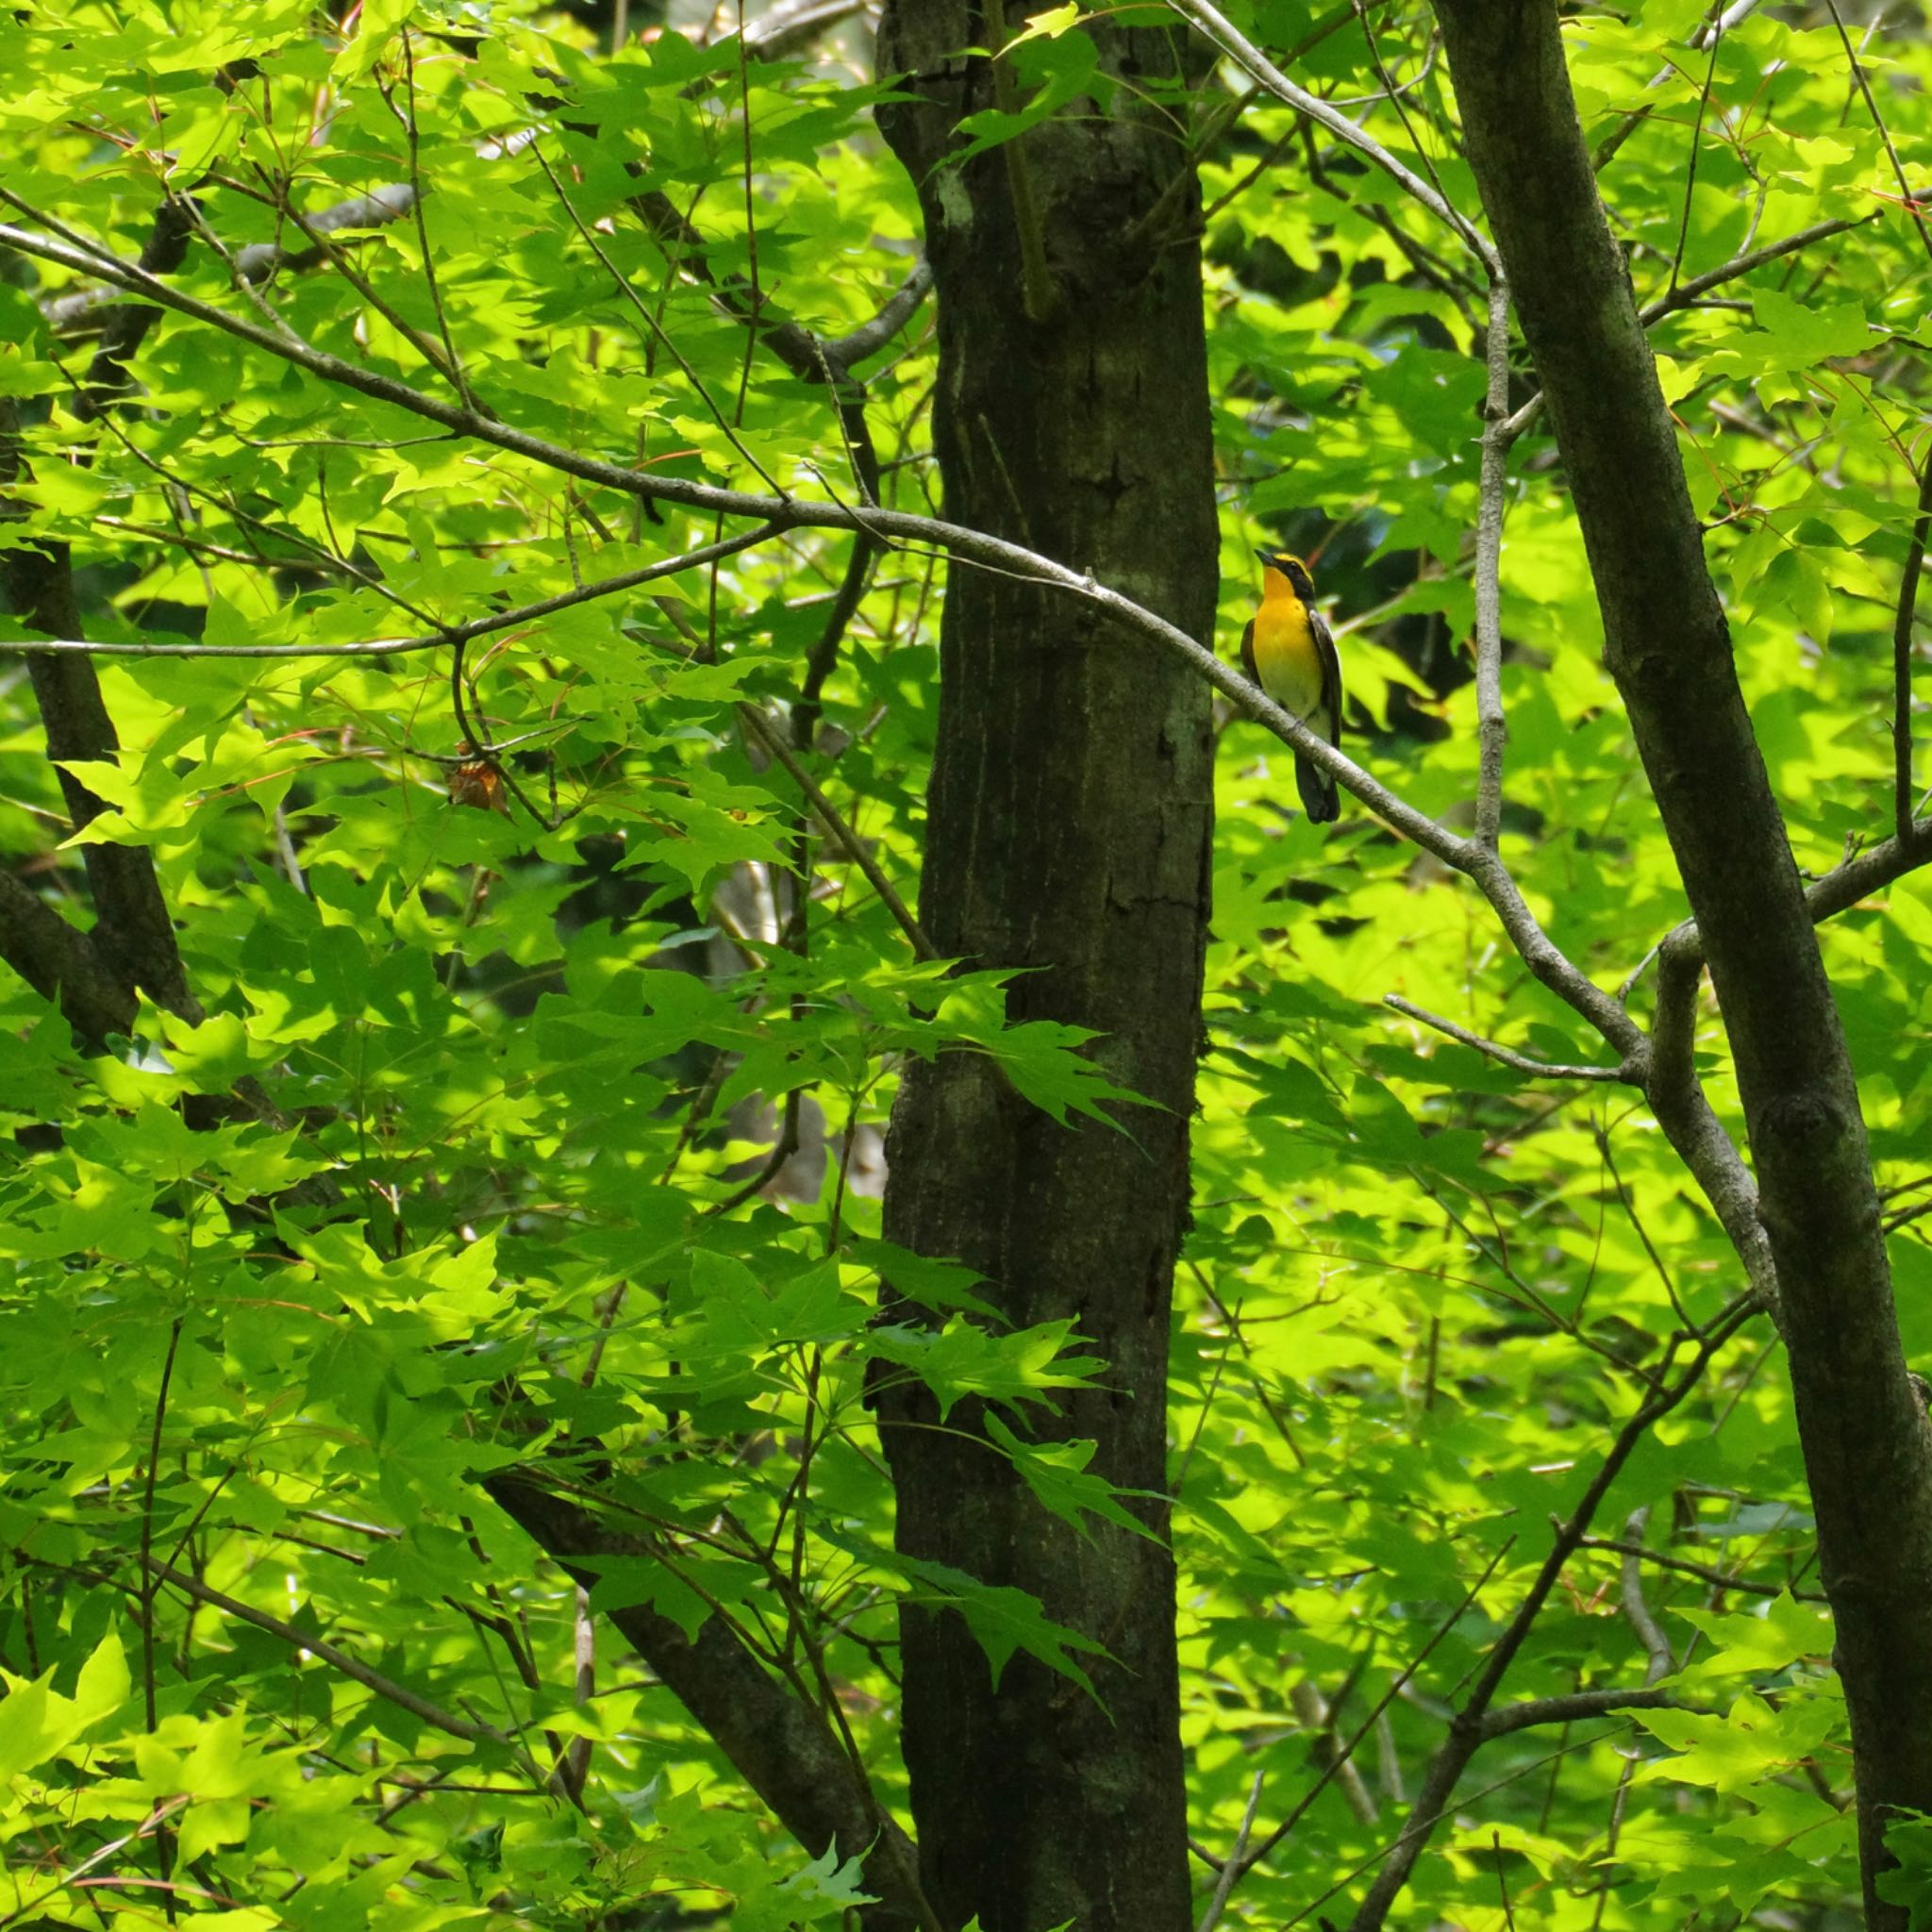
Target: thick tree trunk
1867, 1450
1069, 822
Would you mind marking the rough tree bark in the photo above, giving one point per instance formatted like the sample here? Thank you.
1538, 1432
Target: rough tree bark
133, 940
1867, 1450
1070, 823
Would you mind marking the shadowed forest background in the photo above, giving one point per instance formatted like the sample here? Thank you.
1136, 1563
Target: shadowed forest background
713, 1212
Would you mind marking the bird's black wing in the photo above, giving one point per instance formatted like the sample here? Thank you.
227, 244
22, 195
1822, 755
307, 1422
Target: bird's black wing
1319, 797
1331, 677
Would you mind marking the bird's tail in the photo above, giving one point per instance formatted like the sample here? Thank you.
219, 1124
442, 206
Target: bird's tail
1318, 792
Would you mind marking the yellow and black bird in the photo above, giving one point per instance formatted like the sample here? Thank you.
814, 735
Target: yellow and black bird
1290, 652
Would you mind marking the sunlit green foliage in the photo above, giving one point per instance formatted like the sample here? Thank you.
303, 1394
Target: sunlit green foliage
523, 1061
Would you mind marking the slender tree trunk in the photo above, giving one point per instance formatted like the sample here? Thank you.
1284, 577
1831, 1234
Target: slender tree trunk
1070, 823
1868, 1449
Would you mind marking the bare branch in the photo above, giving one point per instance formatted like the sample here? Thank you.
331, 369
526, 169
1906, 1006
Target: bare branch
393, 648
1503, 1056
1576, 1705
1840, 889
782, 29
767, 1170
1691, 166
1231, 1865
1216, 27
1857, 877
869, 337
1316, 1716
1709, 29
36, 1900
789, 25
1677, 1099
1544, 960
1704, 1572
259, 260
1631, 1593
440, 358
1492, 730
823, 656
1686, 294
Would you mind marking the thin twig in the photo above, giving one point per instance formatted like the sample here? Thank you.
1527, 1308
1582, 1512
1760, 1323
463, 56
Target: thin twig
829, 816
164, 1841
1683, 292
1269, 1406
476, 743
1508, 1777
1629, 1205
1503, 1056
1635, 975
751, 223
1502, 1883
651, 322
1382, 1703
148, 1528
200, 547
431, 286
337, 1658
1393, 94
1691, 170
1525, 1296
35, 1899
1658, 1648
428, 350
1904, 187
1838, 891
1705, 1573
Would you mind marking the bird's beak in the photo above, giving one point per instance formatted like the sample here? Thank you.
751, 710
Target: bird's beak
1267, 557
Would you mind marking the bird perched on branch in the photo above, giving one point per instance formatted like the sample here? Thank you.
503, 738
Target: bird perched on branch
1290, 652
